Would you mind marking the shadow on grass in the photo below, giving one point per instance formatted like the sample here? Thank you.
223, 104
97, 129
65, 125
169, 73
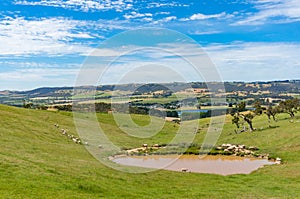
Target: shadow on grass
266, 128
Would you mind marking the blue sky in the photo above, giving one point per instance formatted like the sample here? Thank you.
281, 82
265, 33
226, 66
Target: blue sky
45, 42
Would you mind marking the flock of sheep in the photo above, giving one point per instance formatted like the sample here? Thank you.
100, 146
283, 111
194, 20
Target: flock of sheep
74, 138
70, 136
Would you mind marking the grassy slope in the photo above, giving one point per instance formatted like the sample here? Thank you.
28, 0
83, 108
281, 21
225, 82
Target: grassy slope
36, 161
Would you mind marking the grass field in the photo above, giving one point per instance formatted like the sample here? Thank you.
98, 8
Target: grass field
37, 161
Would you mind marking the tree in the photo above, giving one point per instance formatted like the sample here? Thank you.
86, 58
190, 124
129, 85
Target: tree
235, 120
272, 111
248, 118
241, 106
290, 106
258, 109
28, 105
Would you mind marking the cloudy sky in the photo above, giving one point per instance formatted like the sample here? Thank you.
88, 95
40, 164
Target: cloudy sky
46, 42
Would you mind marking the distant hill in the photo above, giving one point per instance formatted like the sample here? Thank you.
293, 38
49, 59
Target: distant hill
272, 86
275, 88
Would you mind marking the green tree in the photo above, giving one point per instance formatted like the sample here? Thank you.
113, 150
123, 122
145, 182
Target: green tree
235, 120
28, 105
258, 109
290, 106
272, 111
248, 118
241, 106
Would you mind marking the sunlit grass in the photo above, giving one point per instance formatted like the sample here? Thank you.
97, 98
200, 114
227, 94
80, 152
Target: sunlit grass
37, 161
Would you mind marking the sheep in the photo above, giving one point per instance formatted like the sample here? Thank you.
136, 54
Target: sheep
64, 131
77, 141
278, 161
184, 169
232, 147
253, 148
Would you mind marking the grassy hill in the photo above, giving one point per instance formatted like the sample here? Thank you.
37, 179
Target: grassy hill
37, 161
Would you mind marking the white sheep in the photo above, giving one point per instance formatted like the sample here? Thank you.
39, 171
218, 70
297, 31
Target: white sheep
184, 169
278, 161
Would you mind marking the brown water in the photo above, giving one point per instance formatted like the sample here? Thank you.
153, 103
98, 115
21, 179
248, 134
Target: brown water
224, 165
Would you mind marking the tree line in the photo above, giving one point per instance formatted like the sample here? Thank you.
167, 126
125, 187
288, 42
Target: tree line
120, 108
240, 115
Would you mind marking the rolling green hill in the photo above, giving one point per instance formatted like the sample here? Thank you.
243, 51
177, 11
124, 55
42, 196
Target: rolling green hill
37, 161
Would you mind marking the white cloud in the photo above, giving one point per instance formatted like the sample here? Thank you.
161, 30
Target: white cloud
235, 61
106, 52
169, 4
60, 36
186, 59
256, 61
160, 52
36, 74
142, 72
24, 79
170, 18
277, 11
14, 63
165, 20
205, 32
163, 13
147, 19
82, 5
134, 15
200, 16
53, 36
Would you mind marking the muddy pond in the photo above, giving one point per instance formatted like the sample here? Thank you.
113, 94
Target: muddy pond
223, 165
